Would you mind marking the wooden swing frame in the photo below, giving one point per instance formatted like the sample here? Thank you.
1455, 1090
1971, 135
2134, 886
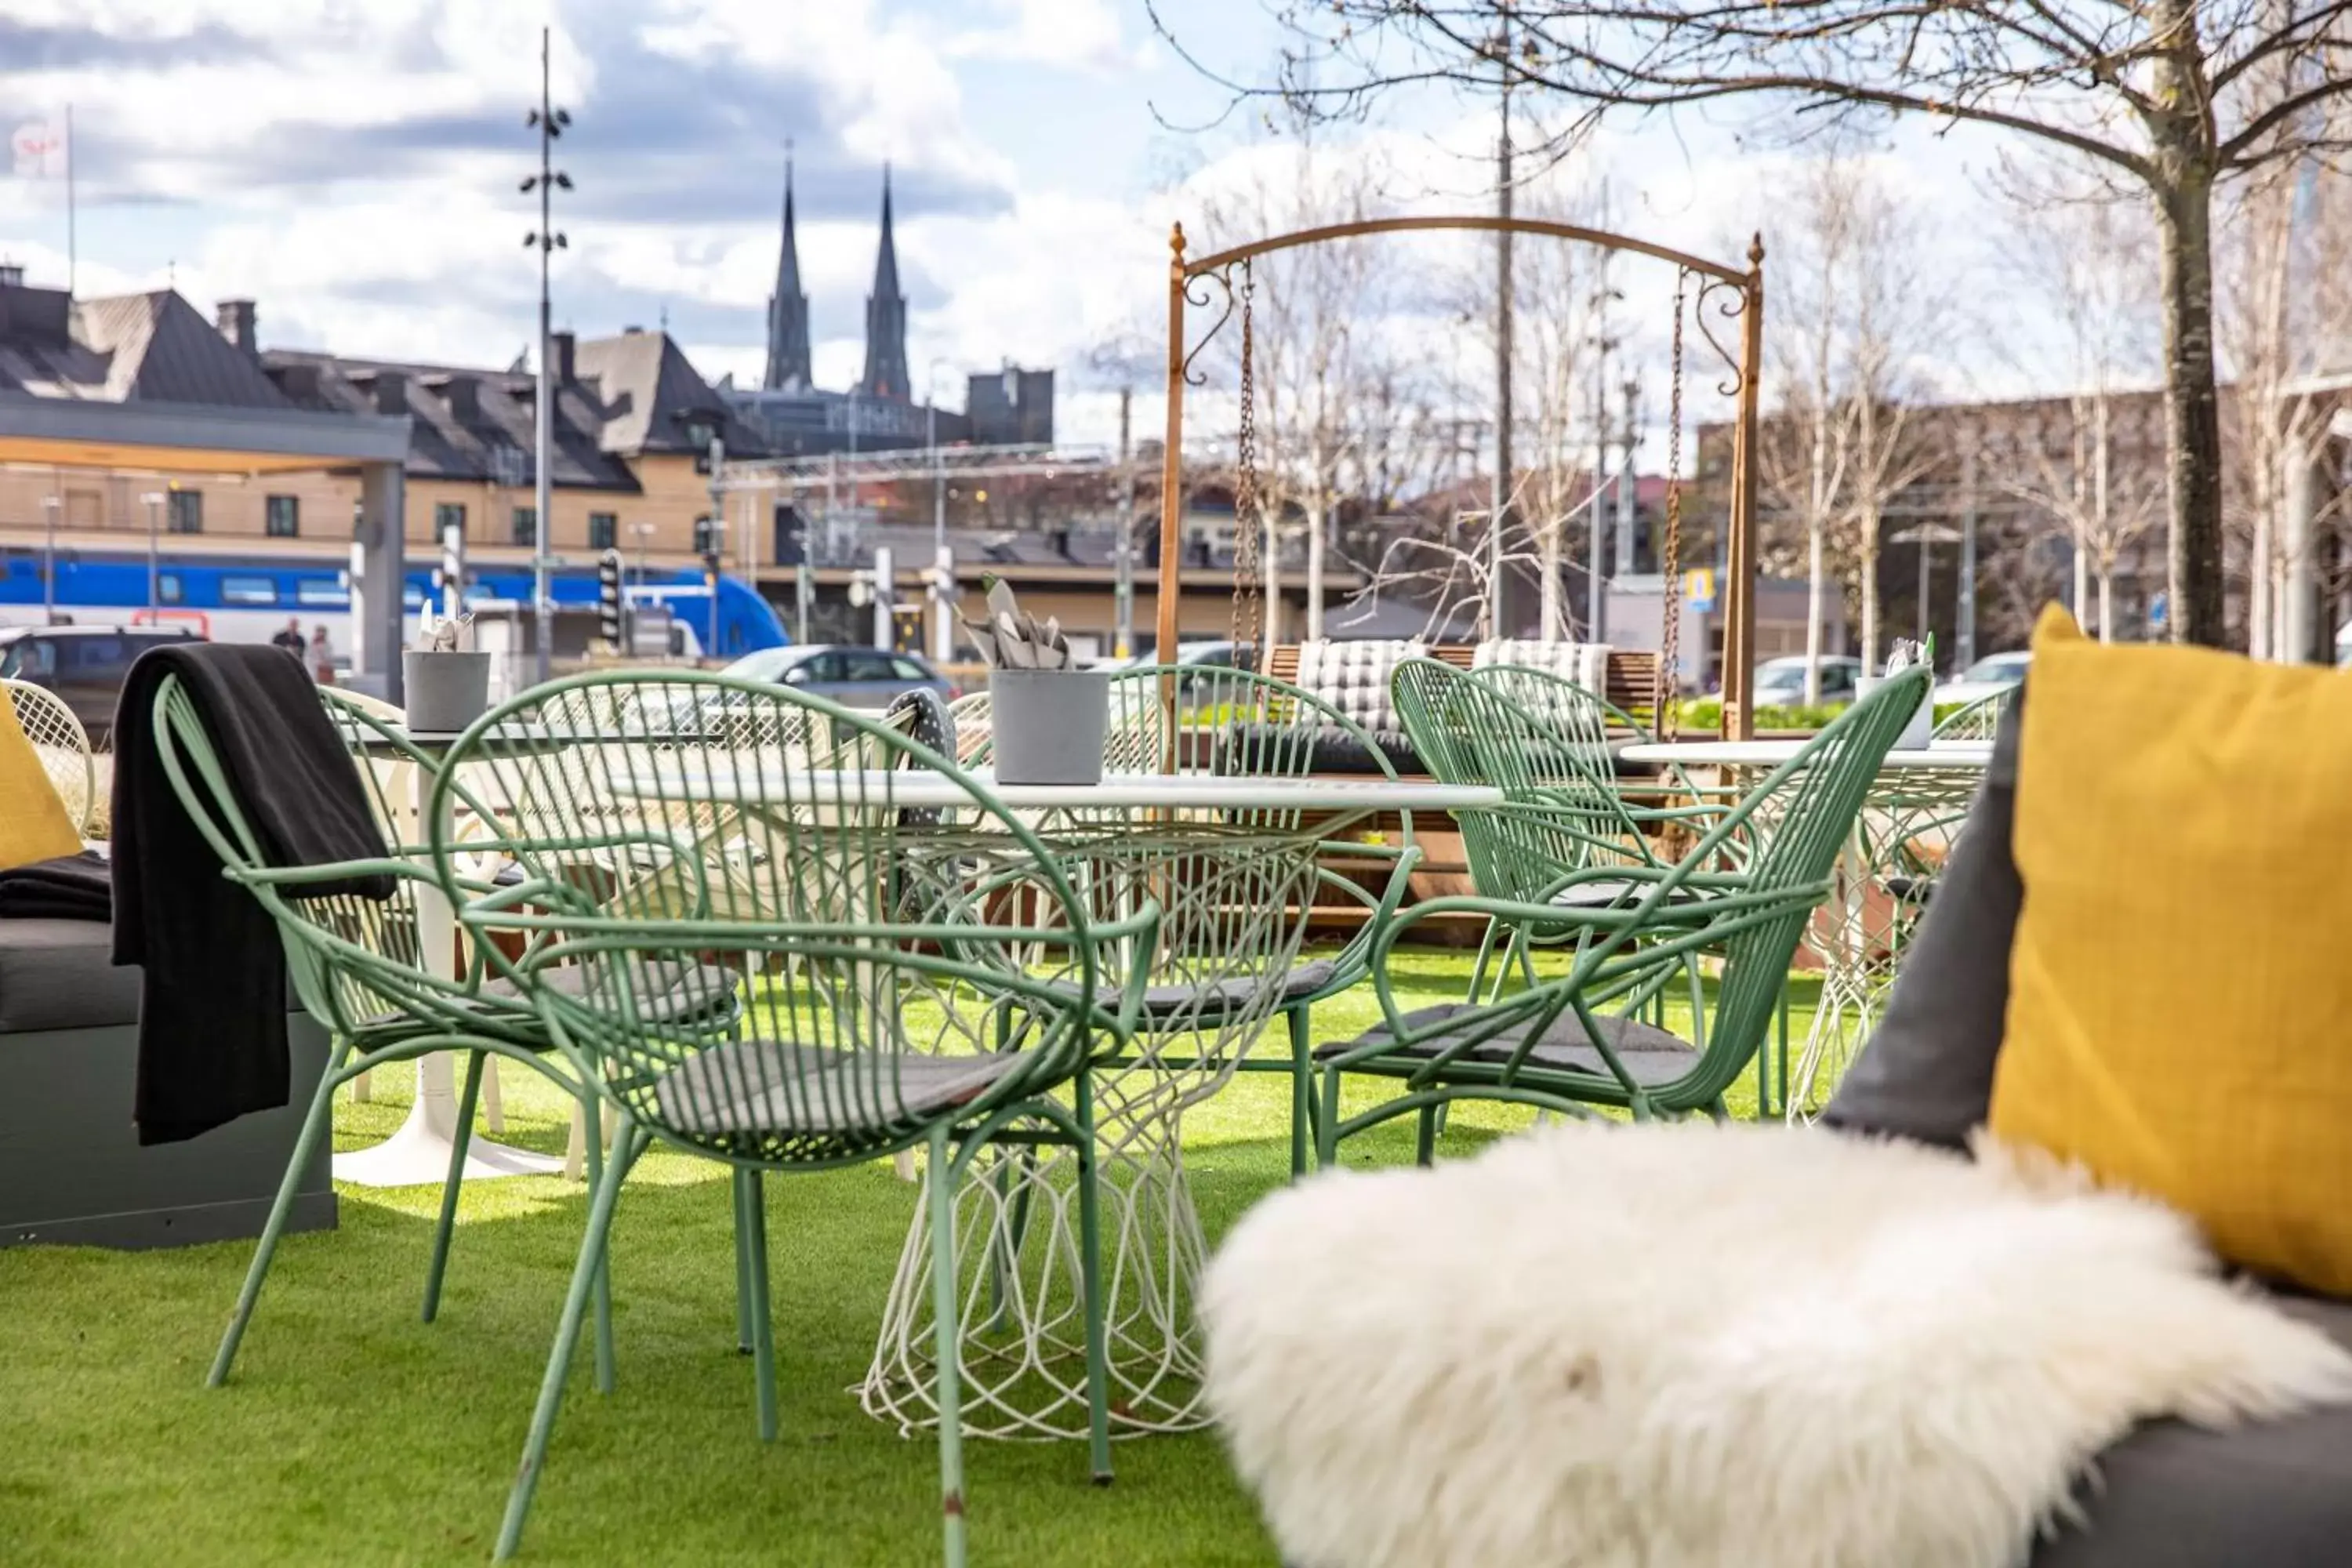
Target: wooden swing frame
1745, 287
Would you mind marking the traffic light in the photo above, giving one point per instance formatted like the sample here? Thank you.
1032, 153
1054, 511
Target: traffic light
609, 619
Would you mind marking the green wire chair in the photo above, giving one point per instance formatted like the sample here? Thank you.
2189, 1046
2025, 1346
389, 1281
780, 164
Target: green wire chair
1230, 722
876, 1007
1550, 1046
356, 966
1980, 719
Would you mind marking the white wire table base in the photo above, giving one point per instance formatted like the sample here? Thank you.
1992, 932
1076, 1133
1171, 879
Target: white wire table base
1023, 1362
1233, 926
1905, 834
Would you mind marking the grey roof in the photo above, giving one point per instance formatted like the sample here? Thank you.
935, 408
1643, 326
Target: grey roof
644, 386
491, 441
152, 347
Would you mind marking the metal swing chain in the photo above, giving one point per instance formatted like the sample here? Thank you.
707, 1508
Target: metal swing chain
1247, 524
1666, 717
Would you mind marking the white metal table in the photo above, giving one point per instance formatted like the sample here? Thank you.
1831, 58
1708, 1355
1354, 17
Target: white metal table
1908, 824
419, 1152
1022, 1359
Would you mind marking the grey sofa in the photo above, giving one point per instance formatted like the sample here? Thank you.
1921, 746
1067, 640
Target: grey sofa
71, 1167
2273, 1494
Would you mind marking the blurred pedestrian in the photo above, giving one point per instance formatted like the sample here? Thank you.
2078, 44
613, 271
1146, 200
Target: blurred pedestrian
323, 654
290, 638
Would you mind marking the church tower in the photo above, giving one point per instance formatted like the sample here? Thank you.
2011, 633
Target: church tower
885, 319
788, 313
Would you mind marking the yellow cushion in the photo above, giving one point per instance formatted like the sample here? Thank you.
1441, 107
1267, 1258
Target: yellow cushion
32, 821
2180, 985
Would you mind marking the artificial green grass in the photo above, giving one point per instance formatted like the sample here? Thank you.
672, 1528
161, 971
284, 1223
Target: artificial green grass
351, 1433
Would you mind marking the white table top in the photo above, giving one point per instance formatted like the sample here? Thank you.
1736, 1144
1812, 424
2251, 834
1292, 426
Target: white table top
1958, 755
920, 788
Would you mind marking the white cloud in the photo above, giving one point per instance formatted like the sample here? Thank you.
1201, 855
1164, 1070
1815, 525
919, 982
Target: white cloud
1072, 33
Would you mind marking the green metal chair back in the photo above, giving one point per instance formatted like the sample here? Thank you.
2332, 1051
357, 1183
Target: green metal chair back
1980, 719
863, 952
1561, 815
1800, 819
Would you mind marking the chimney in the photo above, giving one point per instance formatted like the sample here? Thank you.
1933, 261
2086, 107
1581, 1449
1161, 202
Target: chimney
12, 275
560, 361
391, 392
464, 396
235, 319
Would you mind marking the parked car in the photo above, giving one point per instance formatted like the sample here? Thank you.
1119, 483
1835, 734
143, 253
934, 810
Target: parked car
1781, 682
83, 665
1988, 677
853, 677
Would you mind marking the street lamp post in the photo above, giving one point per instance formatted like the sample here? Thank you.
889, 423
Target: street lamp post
155, 500
1926, 536
550, 121
50, 506
942, 562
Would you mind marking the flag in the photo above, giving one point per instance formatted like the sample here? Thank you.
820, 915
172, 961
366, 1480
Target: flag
38, 148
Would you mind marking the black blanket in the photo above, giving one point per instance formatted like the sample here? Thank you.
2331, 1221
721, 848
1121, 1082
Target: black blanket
212, 1009
70, 888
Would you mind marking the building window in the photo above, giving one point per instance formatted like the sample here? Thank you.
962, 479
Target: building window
186, 511
282, 516
604, 530
447, 515
526, 525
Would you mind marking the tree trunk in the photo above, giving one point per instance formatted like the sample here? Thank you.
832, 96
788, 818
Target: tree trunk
2106, 603
1315, 566
1552, 617
2081, 600
2194, 610
1869, 542
1816, 522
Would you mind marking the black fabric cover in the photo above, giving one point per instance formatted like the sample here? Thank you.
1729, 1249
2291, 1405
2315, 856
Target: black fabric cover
1331, 749
211, 1014
2272, 1494
70, 888
1927, 1072
60, 974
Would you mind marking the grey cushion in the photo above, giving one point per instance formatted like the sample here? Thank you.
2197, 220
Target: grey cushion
1650, 1054
1297, 983
2276, 1494
778, 1086
1927, 1072
60, 974
686, 991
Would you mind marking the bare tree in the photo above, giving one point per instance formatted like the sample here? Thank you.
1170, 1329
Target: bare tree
2171, 98
1858, 308
2063, 460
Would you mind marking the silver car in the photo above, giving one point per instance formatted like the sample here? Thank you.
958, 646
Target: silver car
851, 676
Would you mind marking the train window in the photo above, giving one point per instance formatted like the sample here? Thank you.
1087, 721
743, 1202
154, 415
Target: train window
323, 593
167, 587
413, 599
249, 591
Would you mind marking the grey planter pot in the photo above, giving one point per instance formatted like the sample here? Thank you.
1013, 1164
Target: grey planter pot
444, 691
1047, 726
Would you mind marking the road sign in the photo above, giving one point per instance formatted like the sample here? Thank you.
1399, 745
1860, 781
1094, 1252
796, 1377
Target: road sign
1698, 588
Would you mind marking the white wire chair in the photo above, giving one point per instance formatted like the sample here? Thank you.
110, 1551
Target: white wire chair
63, 746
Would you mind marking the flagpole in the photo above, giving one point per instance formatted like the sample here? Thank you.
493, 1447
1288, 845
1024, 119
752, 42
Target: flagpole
70, 161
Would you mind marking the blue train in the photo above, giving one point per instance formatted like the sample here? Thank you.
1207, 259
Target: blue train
247, 598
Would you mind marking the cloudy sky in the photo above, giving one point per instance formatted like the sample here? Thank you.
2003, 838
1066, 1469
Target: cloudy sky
353, 165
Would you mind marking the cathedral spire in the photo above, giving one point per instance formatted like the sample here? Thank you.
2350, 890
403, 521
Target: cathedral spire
788, 317
885, 318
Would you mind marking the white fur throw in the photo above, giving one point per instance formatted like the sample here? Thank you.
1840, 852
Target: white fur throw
1687, 1347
